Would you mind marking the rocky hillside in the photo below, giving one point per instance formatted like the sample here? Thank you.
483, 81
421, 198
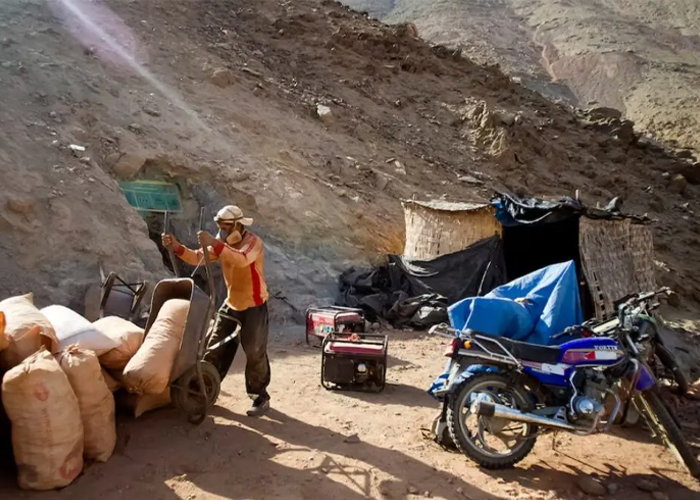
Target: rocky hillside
315, 119
641, 56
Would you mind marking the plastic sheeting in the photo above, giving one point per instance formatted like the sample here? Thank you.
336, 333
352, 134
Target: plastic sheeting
417, 293
513, 211
552, 305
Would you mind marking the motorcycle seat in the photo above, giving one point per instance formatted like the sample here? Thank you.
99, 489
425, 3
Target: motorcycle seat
524, 351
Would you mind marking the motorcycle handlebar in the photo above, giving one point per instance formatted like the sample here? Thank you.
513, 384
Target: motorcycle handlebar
642, 297
444, 330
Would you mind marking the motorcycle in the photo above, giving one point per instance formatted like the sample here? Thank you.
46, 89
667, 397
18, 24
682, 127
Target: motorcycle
646, 333
500, 395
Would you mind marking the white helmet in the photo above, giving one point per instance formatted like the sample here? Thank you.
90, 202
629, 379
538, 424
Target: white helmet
231, 213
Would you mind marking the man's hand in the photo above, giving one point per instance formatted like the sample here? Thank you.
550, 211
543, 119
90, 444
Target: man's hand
206, 239
169, 242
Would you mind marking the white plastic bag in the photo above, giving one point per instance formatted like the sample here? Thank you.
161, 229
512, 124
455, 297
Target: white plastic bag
71, 328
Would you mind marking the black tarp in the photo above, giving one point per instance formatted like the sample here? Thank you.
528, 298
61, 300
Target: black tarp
513, 211
417, 293
536, 233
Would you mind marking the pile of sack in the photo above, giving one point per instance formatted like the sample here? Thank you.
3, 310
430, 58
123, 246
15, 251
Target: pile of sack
60, 374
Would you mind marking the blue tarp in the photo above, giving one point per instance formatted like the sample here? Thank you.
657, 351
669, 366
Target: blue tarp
553, 304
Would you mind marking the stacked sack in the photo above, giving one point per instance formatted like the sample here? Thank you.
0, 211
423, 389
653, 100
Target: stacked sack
60, 373
147, 374
37, 396
141, 364
114, 363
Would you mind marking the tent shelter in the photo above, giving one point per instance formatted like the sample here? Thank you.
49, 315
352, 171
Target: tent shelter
613, 252
458, 250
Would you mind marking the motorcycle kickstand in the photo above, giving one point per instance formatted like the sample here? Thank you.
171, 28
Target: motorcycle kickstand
554, 441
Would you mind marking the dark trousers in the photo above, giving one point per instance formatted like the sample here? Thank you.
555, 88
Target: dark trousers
253, 337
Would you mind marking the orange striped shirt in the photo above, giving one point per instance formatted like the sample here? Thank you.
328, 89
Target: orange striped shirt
243, 268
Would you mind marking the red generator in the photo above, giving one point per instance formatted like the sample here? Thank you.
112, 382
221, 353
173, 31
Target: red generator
354, 362
322, 321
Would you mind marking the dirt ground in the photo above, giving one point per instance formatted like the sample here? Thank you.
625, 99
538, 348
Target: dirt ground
410, 120
299, 449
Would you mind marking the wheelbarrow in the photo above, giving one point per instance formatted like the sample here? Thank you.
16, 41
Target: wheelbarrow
194, 383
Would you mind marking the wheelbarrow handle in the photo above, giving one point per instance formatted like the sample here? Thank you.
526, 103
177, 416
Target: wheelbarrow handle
210, 276
171, 254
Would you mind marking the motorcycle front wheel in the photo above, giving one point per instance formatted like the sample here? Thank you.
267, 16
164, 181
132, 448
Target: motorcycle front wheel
668, 360
492, 442
662, 423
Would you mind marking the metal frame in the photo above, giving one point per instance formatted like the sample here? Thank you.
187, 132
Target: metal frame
366, 338
109, 303
452, 333
338, 311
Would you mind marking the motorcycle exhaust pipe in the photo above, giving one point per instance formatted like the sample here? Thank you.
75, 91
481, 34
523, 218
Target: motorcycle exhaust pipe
485, 409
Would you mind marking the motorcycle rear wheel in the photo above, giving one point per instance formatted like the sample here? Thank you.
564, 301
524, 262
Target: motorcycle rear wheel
468, 440
664, 425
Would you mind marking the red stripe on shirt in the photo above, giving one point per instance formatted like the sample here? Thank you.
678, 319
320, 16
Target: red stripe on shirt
257, 286
246, 249
218, 248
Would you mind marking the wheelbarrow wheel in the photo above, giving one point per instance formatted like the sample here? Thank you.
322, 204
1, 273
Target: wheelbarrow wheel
186, 392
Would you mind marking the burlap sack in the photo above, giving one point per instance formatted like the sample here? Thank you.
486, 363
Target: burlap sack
95, 400
26, 330
112, 383
47, 431
4, 341
138, 404
148, 372
128, 335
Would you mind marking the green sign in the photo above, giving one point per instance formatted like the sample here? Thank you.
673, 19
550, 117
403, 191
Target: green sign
152, 196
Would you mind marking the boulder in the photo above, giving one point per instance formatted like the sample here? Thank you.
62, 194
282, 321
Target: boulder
381, 181
470, 179
691, 172
647, 485
21, 205
603, 113
591, 486
129, 165
678, 184
325, 114
504, 118
223, 77
625, 132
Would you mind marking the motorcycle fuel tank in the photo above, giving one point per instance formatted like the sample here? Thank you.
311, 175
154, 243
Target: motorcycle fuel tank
597, 351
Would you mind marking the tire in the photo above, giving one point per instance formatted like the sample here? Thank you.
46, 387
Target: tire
663, 422
669, 361
182, 391
460, 434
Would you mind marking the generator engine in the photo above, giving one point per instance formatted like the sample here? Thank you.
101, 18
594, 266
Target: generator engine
354, 362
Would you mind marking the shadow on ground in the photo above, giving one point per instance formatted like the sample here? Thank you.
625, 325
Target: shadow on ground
546, 478
161, 457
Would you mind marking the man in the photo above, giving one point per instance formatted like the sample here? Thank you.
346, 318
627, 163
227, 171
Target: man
241, 255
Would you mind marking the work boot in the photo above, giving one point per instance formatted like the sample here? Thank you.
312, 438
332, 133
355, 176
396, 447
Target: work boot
260, 406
